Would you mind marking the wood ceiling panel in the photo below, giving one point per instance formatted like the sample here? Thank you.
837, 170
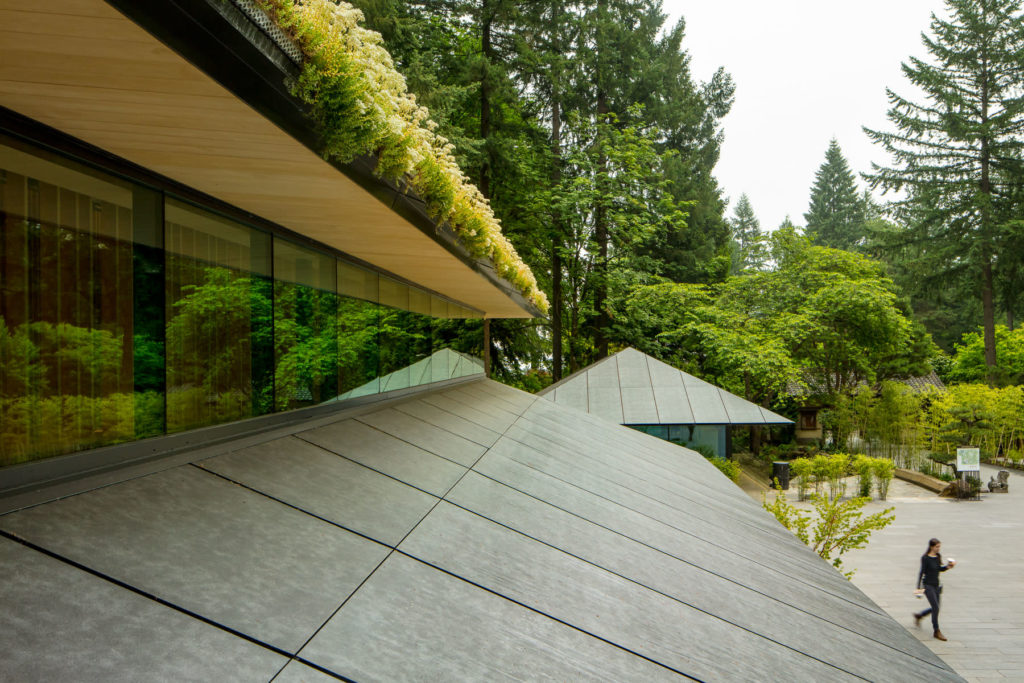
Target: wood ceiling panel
81, 67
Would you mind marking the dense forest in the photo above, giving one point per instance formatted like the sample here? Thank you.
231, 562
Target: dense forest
596, 147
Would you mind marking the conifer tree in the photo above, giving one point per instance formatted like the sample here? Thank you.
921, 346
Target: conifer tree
836, 215
746, 231
955, 151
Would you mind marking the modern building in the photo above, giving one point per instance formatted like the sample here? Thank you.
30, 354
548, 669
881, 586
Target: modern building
175, 252
188, 491
633, 389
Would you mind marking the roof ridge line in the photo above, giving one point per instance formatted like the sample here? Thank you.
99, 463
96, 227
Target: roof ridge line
551, 387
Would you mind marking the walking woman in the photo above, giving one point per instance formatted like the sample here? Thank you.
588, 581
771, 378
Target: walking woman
928, 583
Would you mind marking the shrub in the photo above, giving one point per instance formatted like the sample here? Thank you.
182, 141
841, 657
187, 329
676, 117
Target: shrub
819, 470
884, 471
727, 467
838, 464
830, 468
839, 526
863, 466
802, 469
361, 106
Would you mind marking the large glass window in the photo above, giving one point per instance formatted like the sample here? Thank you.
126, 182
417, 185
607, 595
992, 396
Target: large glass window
219, 319
712, 438
305, 326
358, 328
405, 336
66, 307
125, 313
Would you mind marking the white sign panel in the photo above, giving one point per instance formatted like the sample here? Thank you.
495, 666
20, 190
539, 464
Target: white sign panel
968, 460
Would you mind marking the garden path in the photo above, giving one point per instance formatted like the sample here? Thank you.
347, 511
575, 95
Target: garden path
983, 602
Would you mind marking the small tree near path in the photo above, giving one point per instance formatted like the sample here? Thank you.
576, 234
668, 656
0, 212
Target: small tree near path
833, 528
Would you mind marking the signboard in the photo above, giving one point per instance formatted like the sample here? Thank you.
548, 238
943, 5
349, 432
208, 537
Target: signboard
968, 459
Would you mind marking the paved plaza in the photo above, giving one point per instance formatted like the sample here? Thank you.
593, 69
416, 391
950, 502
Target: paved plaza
983, 598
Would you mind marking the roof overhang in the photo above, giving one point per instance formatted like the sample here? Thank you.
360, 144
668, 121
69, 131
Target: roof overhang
195, 92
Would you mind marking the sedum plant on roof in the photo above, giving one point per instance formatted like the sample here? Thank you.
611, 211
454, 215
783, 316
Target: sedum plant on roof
360, 102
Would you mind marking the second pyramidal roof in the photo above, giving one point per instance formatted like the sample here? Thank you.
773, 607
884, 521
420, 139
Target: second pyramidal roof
631, 387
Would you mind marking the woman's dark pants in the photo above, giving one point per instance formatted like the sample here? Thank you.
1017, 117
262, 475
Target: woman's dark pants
932, 593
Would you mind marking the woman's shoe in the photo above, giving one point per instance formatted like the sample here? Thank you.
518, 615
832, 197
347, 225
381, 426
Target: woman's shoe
939, 636
917, 620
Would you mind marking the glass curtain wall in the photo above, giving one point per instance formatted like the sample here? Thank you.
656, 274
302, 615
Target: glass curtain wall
66, 308
219, 329
710, 437
305, 326
358, 331
125, 313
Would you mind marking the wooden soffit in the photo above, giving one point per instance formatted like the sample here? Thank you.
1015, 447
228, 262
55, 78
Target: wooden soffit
83, 68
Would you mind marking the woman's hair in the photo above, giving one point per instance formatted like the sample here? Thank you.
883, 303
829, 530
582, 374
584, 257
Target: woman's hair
931, 544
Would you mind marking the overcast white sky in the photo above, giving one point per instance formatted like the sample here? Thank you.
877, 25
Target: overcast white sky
805, 71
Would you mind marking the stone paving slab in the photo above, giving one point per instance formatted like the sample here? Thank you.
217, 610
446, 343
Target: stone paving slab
982, 610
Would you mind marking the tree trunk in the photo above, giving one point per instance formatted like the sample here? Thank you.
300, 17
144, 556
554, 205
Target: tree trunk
556, 246
487, 48
600, 213
989, 319
574, 332
601, 238
487, 347
987, 288
746, 395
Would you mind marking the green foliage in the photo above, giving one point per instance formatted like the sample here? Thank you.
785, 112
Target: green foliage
958, 157
802, 471
864, 467
585, 130
726, 467
836, 216
362, 107
838, 525
976, 415
823, 316
884, 470
968, 364
830, 469
35, 352
789, 516
751, 242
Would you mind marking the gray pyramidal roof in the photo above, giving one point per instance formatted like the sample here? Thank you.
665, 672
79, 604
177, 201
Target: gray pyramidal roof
470, 532
633, 388
441, 365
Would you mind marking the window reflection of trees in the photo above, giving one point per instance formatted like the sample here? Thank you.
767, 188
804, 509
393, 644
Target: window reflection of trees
65, 364
109, 335
217, 318
306, 345
358, 331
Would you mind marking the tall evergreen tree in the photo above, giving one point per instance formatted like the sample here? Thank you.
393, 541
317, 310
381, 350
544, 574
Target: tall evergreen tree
836, 215
750, 240
551, 103
955, 152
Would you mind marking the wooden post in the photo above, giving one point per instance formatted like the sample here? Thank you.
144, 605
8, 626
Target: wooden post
487, 347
